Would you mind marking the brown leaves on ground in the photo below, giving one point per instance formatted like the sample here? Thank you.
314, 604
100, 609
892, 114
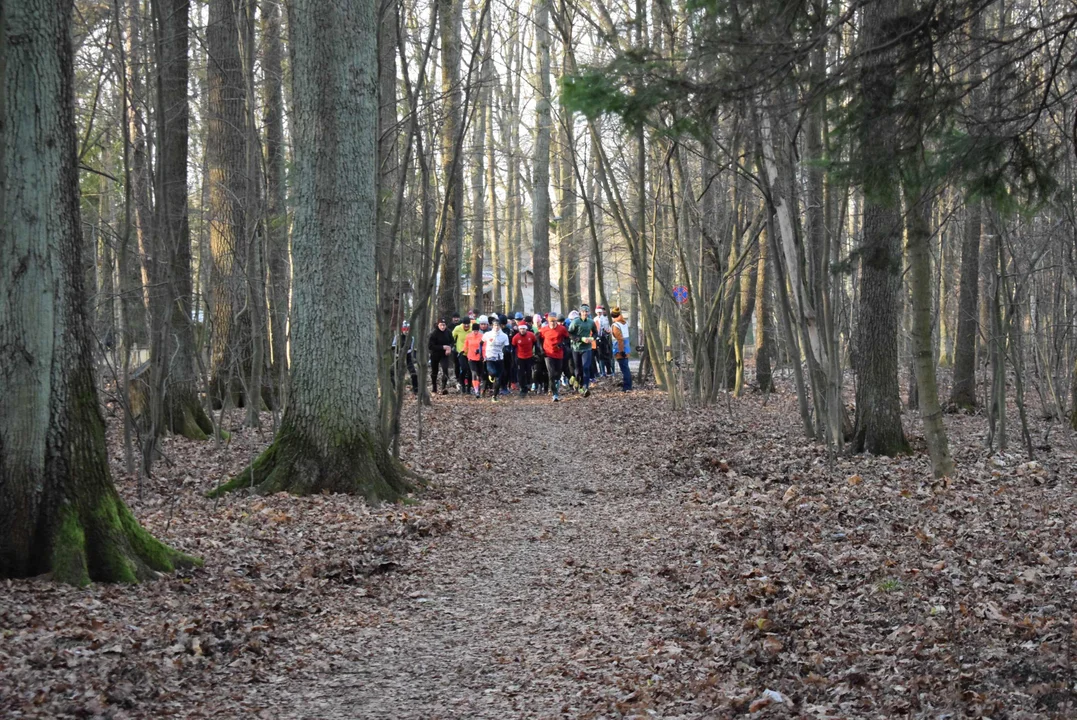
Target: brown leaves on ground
602, 557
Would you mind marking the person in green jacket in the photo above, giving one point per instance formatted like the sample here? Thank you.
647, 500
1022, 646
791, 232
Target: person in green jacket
463, 369
583, 334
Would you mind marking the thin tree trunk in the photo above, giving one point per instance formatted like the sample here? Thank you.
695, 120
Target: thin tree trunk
963, 392
277, 257
540, 206
918, 248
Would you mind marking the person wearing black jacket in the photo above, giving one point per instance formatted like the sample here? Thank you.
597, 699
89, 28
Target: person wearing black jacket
440, 348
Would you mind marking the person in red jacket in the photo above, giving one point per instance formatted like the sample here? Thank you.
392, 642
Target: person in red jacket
523, 342
554, 336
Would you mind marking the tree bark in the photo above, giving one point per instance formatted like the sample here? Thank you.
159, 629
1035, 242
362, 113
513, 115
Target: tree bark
449, 15
328, 440
279, 264
226, 152
878, 427
764, 337
59, 511
918, 247
478, 192
173, 374
540, 207
963, 392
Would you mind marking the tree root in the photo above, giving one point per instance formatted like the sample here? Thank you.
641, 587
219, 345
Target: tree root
185, 416
103, 542
360, 466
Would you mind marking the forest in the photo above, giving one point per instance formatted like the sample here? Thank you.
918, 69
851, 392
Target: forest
812, 457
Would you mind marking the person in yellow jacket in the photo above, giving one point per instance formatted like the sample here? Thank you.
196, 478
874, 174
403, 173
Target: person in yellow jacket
463, 370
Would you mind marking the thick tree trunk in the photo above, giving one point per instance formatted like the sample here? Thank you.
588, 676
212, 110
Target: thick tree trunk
59, 511
226, 151
540, 210
328, 440
878, 404
963, 392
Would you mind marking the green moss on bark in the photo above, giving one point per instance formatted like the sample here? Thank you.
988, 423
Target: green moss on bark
105, 543
359, 466
69, 550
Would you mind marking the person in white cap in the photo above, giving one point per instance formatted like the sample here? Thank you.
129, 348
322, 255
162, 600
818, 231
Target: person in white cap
494, 342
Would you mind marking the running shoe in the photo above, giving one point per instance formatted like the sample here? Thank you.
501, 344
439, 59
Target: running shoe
587, 392
556, 397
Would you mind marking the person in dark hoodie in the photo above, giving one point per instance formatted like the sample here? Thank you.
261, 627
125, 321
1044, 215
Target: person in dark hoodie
440, 346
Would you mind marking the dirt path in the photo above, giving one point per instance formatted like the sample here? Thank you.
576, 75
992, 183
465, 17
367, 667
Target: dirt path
489, 620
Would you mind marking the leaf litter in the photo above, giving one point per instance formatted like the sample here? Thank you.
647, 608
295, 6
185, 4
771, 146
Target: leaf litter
600, 558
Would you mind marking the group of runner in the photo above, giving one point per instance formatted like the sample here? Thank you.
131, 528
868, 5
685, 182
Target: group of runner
495, 355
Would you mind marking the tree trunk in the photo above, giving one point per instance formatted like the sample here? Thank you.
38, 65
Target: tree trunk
173, 373
279, 264
58, 508
328, 441
919, 258
450, 16
478, 192
540, 209
764, 337
963, 392
878, 404
226, 153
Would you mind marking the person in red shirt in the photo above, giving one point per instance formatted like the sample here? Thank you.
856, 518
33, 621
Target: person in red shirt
523, 342
473, 349
553, 335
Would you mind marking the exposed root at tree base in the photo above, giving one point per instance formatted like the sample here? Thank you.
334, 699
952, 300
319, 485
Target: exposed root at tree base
185, 416
105, 543
360, 466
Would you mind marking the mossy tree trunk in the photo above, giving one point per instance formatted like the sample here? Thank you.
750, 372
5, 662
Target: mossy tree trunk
328, 439
59, 512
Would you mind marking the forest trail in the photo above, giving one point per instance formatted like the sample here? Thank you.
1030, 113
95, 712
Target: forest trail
490, 618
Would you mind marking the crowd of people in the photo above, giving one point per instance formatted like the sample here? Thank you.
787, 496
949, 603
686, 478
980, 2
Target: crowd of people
494, 355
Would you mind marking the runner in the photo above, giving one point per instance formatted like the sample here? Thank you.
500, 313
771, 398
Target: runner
603, 365
524, 344
403, 340
440, 346
553, 336
484, 377
473, 353
582, 331
622, 347
494, 343
463, 371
